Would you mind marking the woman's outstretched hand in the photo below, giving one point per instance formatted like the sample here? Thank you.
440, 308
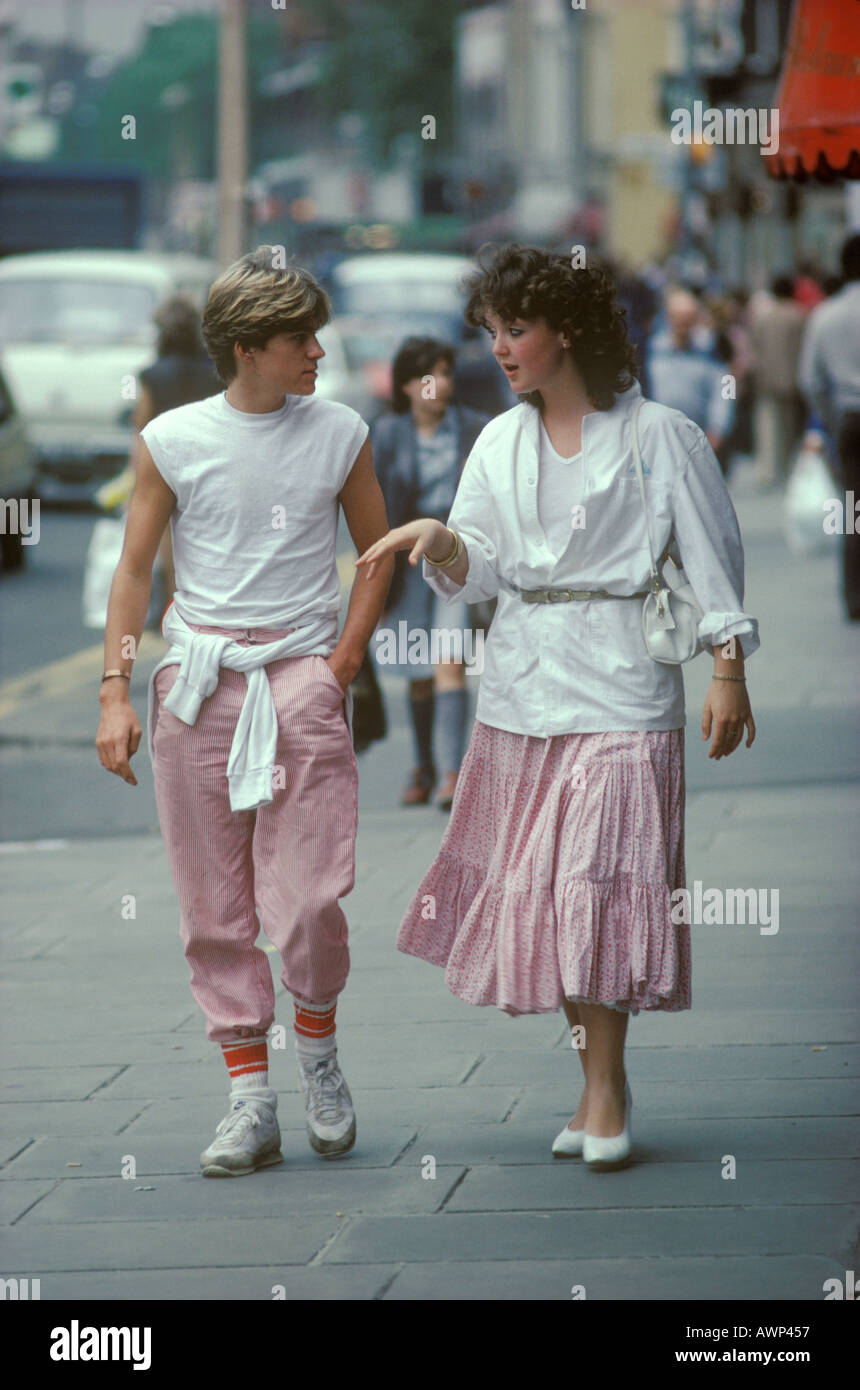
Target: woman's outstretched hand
416, 536
727, 710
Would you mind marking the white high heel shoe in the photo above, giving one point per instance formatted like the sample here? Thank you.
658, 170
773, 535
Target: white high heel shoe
600, 1153
568, 1144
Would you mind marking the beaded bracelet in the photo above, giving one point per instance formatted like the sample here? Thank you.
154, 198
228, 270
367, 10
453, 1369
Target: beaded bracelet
729, 678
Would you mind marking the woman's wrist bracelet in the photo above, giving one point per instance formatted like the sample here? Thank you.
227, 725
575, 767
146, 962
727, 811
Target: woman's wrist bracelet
729, 678
107, 675
449, 559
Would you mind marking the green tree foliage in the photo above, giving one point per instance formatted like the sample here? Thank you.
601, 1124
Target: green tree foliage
392, 63
169, 87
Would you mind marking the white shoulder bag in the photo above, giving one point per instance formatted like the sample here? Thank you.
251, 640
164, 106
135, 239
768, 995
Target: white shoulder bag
671, 613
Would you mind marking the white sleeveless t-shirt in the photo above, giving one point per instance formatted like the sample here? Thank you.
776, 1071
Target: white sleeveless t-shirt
255, 523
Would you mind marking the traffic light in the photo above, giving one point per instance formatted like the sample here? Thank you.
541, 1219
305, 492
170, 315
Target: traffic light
23, 83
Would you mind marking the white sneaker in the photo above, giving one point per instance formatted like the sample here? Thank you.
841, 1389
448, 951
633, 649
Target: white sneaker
328, 1107
247, 1138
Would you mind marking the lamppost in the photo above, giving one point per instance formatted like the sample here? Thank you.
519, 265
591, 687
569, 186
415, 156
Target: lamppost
232, 132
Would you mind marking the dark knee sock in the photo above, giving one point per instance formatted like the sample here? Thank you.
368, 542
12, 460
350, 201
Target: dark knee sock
421, 713
452, 728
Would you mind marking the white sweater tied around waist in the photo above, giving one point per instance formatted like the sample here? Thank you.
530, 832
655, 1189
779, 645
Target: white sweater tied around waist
200, 655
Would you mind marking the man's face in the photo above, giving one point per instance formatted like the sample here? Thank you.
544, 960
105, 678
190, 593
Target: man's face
288, 362
683, 314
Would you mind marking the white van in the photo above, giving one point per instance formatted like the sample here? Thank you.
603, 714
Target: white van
77, 327
419, 286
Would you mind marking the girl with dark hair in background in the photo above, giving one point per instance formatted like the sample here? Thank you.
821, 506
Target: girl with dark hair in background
419, 450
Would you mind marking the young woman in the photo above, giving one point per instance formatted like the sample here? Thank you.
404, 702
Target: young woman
419, 449
553, 881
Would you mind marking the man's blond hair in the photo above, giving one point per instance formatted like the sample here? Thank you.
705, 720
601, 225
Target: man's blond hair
255, 298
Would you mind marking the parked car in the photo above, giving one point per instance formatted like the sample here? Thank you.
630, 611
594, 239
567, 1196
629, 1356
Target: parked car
338, 379
77, 328
398, 283
370, 344
17, 464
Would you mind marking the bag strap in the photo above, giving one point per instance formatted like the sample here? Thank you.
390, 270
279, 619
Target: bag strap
637, 460
655, 571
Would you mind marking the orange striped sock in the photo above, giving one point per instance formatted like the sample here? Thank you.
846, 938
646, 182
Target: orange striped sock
247, 1062
315, 1029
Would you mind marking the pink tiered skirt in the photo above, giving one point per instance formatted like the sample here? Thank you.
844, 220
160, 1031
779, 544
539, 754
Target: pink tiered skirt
554, 877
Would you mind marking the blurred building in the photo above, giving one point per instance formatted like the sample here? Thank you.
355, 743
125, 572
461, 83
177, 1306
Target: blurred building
552, 123
561, 124
565, 118
752, 227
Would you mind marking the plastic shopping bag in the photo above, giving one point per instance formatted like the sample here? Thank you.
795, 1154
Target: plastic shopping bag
103, 554
809, 487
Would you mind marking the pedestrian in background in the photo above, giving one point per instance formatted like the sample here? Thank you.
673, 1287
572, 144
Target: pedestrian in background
733, 346
182, 372
808, 286
777, 334
829, 376
555, 878
684, 371
639, 300
419, 449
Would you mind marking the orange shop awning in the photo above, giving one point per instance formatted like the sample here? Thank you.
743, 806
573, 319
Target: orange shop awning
819, 94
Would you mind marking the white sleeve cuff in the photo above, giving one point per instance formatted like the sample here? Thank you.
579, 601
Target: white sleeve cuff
481, 580
717, 628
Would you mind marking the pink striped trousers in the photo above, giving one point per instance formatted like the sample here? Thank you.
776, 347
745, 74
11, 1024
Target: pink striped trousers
290, 861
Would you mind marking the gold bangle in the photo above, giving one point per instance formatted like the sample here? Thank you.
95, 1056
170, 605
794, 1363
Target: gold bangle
458, 550
107, 674
729, 678
450, 558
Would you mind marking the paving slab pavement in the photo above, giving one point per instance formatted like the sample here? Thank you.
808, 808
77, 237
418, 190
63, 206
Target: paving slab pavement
452, 1192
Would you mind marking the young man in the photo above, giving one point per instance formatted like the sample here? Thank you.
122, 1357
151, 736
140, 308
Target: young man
250, 712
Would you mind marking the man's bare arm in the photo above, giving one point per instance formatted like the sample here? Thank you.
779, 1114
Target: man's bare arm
151, 505
364, 509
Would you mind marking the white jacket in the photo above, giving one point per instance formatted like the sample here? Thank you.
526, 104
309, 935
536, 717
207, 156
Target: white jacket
582, 666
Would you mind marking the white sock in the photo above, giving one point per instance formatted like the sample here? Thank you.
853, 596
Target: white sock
308, 1048
250, 1081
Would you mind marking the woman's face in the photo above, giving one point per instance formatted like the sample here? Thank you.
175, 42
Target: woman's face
528, 351
434, 389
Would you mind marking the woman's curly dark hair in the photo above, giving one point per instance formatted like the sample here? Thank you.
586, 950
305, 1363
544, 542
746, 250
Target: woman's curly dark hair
527, 283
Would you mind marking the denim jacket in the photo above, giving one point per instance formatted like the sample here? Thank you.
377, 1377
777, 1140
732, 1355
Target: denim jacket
395, 458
